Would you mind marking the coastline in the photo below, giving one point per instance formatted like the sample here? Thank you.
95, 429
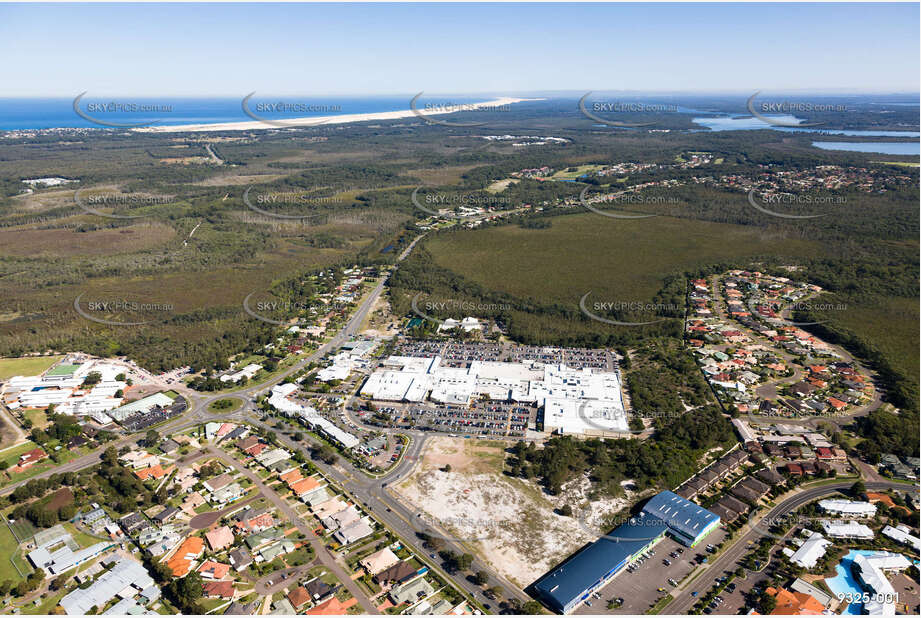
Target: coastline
293, 123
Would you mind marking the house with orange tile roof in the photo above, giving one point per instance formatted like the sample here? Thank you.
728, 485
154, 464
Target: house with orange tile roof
154, 472
256, 524
180, 563
304, 485
837, 404
794, 603
292, 476
210, 569
219, 538
333, 607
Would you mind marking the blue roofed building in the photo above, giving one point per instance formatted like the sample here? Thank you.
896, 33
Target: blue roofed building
570, 584
567, 586
686, 521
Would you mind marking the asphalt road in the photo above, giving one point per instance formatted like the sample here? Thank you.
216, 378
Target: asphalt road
727, 559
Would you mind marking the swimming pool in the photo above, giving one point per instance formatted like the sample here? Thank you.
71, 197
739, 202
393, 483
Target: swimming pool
845, 582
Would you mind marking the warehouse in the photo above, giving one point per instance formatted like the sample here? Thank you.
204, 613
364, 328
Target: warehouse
686, 521
567, 586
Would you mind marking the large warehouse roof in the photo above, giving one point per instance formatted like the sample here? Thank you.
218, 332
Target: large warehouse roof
682, 516
566, 584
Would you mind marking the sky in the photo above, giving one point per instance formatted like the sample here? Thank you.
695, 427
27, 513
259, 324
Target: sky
177, 50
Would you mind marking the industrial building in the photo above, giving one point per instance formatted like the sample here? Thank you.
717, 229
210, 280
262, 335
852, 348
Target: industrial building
126, 580
575, 401
567, 586
309, 416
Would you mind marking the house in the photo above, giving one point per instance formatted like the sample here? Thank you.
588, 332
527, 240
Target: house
166, 515
379, 561
399, 572
30, 458
153, 472
133, 522
240, 559
794, 603
353, 532
794, 469
192, 502
319, 590
298, 597
771, 477
411, 592
218, 590
304, 486
218, 482
219, 538
274, 550
227, 494
168, 446
256, 524
180, 563
210, 569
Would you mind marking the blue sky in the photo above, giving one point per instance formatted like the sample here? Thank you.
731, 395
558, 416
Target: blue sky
218, 50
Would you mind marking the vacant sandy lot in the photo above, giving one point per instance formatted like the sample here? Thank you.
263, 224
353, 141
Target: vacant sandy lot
510, 523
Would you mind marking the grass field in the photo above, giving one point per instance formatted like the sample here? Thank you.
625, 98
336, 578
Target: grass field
617, 260
28, 366
225, 405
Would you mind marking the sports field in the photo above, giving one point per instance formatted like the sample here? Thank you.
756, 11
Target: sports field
27, 366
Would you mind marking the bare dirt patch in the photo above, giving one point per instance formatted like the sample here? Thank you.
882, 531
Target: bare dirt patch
69, 242
510, 523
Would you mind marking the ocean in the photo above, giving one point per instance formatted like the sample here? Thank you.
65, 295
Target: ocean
47, 113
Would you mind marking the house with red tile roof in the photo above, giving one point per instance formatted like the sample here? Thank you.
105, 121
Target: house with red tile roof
218, 590
30, 458
299, 597
837, 404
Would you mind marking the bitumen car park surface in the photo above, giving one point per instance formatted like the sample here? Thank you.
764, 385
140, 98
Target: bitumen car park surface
639, 589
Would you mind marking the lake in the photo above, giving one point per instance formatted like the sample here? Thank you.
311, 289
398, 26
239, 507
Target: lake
890, 148
750, 123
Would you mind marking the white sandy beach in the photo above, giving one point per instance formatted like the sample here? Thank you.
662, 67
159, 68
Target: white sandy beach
250, 125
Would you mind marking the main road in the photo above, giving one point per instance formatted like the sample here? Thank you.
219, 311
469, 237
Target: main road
727, 559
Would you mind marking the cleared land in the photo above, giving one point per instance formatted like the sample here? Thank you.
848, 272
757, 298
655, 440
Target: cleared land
509, 522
